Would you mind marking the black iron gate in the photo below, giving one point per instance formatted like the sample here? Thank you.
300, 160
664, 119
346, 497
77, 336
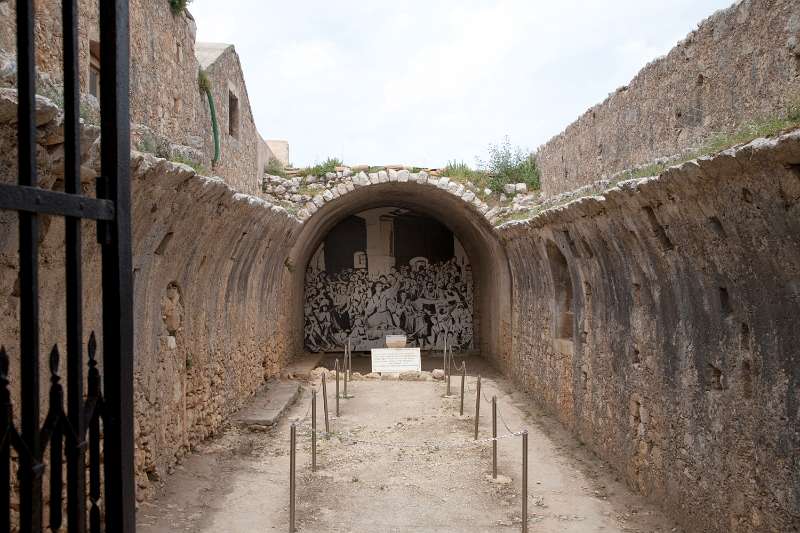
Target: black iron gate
95, 430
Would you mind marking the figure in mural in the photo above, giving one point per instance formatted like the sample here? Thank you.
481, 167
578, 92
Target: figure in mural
429, 304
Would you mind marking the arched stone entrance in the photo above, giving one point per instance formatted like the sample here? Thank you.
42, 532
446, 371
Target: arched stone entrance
389, 271
487, 258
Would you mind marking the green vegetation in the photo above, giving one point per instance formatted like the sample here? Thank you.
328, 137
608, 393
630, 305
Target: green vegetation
153, 144
506, 164
510, 164
204, 84
459, 171
203, 81
178, 6
200, 169
275, 168
766, 127
320, 169
306, 189
463, 173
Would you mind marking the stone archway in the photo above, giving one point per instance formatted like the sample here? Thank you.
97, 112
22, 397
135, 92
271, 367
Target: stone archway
442, 200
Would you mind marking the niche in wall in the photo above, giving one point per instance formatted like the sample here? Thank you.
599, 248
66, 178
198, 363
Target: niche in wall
563, 304
233, 115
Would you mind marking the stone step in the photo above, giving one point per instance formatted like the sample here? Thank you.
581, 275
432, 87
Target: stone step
269, 404
302, 365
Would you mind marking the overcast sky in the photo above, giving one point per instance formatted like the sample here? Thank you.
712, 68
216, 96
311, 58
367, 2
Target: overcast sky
421, 82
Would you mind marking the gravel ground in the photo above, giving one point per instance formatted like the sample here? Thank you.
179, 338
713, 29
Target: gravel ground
400, 458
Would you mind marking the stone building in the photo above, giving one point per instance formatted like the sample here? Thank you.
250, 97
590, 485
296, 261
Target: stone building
242, 153
169, 113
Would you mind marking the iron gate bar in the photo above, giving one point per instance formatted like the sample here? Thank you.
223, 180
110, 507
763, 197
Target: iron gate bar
30, 467
75, 449
65, 432
117, 278
6, 416
35, 200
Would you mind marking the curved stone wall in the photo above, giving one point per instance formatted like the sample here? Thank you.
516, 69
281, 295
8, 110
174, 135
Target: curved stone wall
679, 363
210, 328
208, 287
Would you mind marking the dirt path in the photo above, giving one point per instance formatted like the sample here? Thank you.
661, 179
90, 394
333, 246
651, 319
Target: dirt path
400, 459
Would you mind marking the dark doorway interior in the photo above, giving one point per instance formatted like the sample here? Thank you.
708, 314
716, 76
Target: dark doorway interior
344, 240
424, 236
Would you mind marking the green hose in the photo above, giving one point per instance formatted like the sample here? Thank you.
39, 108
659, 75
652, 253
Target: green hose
214, 124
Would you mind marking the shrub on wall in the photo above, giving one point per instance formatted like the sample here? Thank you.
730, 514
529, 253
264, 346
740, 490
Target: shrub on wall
274, 168
510, 164
178, 6
320, 169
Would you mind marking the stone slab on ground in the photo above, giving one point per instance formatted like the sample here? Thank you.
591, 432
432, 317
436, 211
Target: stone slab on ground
269, 404
302, 365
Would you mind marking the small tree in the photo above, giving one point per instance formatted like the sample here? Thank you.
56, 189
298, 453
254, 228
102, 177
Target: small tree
510, 164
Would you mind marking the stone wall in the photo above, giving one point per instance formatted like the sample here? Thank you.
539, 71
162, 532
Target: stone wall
172, 116
48, 34
658, 321
239, 140
165, 95
208, 266
741, 64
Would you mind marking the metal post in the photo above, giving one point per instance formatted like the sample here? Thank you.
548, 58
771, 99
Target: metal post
494, 436
314, 430
447, 366
345, 375
325, 406
463, 379
30, 479
292, 445
525, 481
119, 500
337, 388
349, 360
477, 407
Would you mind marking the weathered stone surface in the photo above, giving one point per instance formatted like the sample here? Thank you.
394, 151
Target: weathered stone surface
165, 60
269, 404
196, 359
677, 101
679, 288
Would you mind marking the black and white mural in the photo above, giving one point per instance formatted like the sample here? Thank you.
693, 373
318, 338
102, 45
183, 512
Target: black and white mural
388, 271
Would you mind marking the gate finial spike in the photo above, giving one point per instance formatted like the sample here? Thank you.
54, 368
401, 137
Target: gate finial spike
54, 360
92, 346
3, 363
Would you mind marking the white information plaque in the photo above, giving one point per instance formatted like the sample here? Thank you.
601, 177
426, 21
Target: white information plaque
396, 359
